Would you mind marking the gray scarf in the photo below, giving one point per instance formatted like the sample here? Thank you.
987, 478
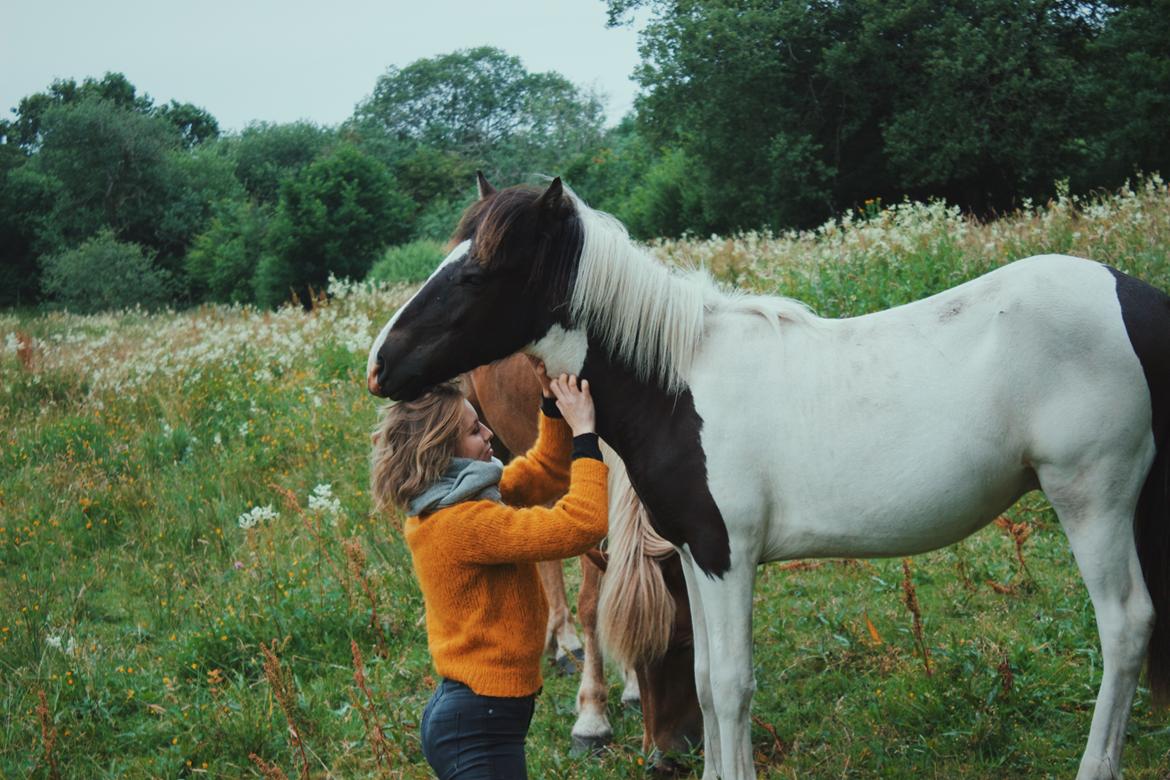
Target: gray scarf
464, 480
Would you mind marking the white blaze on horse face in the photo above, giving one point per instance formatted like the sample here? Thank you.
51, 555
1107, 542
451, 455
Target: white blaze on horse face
563, 351
456, 254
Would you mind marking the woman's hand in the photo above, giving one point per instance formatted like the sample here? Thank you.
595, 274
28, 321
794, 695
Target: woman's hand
575, 403
542, 375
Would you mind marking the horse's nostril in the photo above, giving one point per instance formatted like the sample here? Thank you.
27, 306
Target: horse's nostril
373, 380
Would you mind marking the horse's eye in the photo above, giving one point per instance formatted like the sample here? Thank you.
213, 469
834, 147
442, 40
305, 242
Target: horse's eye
474, 277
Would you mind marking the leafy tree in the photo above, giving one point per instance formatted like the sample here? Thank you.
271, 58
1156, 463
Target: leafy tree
334, 217
266, 154
617, 177
105, 273
26, 198
482, 105
223, 259
114, 88
196, 182
112, 165
195, 125
1132, 97
791, 111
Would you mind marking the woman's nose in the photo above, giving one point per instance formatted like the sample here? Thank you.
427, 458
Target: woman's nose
487, 433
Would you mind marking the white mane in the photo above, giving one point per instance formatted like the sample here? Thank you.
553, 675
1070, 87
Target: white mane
648, 315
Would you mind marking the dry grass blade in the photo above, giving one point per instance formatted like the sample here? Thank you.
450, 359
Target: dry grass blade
911, 599
374, 734
284, 689
48, 734
267, 771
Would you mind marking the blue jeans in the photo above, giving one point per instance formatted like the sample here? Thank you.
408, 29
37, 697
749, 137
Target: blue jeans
466, 736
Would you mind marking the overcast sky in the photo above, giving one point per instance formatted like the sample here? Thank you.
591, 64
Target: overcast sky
284, 60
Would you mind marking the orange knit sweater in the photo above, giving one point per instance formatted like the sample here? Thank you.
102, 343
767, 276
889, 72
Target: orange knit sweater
476, 564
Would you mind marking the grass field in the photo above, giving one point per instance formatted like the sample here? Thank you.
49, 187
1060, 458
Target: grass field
179, 490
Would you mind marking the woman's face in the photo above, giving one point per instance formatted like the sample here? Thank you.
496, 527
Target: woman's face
475, 438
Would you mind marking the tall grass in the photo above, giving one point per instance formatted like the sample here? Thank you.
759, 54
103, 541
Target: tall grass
180, 490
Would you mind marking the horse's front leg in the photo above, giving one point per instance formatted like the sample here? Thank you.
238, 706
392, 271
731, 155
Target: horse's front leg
560, 640
592, 729
721, 609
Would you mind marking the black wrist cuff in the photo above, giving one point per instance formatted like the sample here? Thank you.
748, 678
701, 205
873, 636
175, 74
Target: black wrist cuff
586, 446
548, 406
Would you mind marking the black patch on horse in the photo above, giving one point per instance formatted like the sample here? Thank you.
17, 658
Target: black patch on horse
657, 435
1145, 311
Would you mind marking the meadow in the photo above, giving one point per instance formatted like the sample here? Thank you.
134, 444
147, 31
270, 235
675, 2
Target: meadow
192, 582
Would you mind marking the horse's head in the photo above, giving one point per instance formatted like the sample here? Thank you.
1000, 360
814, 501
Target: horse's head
502, 287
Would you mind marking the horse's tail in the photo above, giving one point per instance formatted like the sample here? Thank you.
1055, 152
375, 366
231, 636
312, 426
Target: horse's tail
635, 609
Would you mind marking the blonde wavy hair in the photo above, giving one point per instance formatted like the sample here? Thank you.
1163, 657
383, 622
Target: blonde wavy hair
413, 443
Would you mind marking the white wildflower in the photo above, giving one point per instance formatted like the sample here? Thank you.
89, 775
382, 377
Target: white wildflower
322, 500
257, 515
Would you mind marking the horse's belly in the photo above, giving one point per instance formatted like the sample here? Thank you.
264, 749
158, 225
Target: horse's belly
897, 518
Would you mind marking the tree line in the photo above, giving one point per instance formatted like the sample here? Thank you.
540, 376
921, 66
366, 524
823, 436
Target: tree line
752, 114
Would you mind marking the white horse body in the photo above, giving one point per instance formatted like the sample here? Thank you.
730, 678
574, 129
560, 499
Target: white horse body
906, 430
926, 420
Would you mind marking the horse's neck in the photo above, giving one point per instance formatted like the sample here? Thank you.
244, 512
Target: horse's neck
627, 406
656, 433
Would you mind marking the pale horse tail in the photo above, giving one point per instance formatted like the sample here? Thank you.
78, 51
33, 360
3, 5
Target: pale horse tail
635, 609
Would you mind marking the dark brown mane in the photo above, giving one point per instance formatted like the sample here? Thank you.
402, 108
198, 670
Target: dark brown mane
488, 221
556, 238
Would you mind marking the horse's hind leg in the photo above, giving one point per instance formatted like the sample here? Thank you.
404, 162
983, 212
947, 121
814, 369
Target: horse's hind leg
1100, 532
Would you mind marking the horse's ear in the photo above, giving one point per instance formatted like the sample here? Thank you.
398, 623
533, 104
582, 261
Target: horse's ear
481, 184
550, 202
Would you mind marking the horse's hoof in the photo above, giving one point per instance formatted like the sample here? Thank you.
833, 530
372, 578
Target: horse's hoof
589, 746
569, 663
632, 702
665, 765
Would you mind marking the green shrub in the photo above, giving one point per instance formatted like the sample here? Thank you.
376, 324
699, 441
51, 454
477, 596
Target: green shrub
223, 259
105, 273
411, 262
438, 220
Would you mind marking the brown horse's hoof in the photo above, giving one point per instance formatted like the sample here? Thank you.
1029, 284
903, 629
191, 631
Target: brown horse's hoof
667, 765
590, 746
569, 663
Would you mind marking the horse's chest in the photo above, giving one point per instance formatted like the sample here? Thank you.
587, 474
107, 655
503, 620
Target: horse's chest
659, 438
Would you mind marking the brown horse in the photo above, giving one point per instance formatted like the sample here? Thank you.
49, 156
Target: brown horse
662, 657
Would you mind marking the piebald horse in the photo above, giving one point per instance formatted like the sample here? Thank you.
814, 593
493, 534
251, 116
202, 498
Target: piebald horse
755, 431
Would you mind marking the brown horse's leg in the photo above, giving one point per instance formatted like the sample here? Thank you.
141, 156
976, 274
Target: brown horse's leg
592, 729
560, 640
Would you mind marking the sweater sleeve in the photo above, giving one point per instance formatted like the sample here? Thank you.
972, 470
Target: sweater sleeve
541, 475
495, 533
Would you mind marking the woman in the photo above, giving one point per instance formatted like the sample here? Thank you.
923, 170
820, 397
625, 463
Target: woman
475, 534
